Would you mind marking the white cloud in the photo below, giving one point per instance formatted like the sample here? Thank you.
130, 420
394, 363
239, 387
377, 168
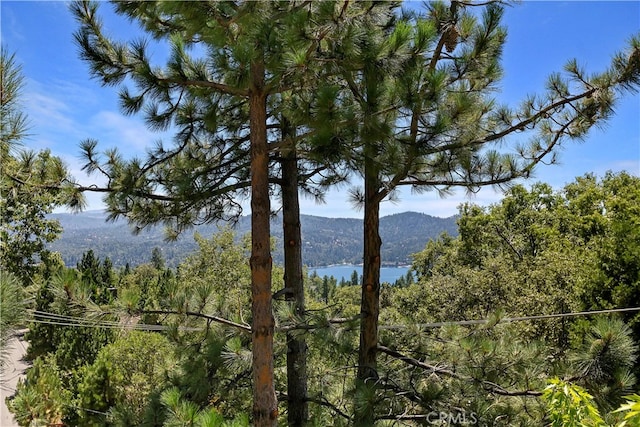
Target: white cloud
127, 133
49, 115
11, 25
64, 113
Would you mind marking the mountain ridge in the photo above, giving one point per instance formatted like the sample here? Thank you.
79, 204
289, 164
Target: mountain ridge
326, 241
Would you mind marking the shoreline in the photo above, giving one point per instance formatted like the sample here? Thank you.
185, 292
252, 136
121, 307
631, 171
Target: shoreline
356, 265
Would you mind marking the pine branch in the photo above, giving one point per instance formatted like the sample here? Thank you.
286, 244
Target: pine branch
415, 181
309, 327
487, 385
324, 402
217, 319
219, 87
485, 3
400, 392
436, 54
151, 196
543, 113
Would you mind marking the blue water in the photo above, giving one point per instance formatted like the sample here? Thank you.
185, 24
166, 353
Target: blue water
387, 274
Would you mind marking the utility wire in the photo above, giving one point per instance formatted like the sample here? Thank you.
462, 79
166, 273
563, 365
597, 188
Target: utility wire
514, 319
63, 320
80, 325
54, 316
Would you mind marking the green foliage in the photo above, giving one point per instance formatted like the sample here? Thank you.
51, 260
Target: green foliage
120, 382
215, 370
613, 217
157, 259
63, 338
631, 410
605, 360
25, 229
215, 361
13, 122
42, 398
535, 252
487, 372
66, 296
571, 406
492, 372
322, 289
183, 413
32, 183
145, 288
216, 279
97, 277
538, 251
125, 376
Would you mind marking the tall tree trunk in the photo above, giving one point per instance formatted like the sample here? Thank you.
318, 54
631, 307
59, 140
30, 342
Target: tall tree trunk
298, 411
370, 301
265, 404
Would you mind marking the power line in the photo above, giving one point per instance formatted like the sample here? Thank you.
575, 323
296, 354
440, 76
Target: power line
54, 316
81, 325
71, 321
63, 320
514, 319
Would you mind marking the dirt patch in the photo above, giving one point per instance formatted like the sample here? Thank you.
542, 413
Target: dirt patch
13, 371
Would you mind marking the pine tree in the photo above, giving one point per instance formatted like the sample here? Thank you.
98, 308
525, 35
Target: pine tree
32, 183
221, 106
298, 411
157, 259
423, 84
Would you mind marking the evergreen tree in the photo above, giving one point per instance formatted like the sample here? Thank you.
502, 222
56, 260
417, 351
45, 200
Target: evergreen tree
298, 411
355, 278
32, 183
221, 108
41, 398
423, 83
248, 46
157, 259
97, 277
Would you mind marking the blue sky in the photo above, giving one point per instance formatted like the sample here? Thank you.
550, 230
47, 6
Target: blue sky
65, 106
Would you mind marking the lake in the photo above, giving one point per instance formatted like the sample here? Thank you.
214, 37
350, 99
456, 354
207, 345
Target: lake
387, 274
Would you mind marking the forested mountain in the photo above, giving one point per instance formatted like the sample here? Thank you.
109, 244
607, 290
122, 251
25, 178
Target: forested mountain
326, 241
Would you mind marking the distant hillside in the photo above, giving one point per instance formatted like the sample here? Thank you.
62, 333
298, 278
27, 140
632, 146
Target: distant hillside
326, 241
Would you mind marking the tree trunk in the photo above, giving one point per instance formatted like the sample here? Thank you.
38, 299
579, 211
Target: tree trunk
370, 301
265, 404
294, 288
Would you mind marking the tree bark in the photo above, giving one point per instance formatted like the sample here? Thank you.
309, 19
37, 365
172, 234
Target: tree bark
265, 404
298, 411
370, 300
